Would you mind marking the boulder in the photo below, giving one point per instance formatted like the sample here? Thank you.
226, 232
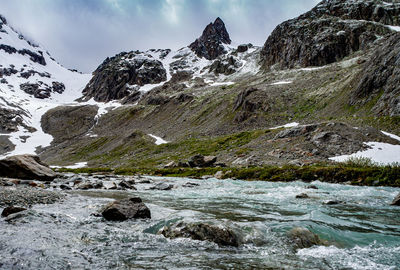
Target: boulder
202, 161
203, 232
396, 200
162, 186
26, 167
12, 210
302, 196
304, 238
125, 184
124, 209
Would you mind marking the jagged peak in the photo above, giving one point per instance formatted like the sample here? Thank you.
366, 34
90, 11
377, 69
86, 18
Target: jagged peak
209, 44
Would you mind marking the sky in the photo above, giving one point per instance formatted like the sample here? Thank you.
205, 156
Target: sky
82, 33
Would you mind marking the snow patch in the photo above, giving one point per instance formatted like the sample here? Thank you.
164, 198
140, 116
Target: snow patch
381, 153
281, 82
75, 166
393, 136
159, 140
288, 125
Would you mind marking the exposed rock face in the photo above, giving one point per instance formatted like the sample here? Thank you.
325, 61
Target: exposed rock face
202, 161
26, 167
220, 236
381, 78
118, 77
225, 66
209, 44
126, 209
41, 90
329, 32
57, 121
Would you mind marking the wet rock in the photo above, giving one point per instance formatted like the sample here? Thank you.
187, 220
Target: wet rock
190, 185
124, 209
312, 187
26, 167
333, 202
125, 184
65, 187
203, 232
85, 186
162, 186
145, 181
202, 161
209, 44
302, 196
12, 210
396, 200
304, 238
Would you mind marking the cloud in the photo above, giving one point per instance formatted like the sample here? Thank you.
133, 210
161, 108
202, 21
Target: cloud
82, 33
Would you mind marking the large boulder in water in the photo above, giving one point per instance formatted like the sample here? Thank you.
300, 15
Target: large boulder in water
124, 209
396, 201
27, 167
11, 210
304, 238
202, 231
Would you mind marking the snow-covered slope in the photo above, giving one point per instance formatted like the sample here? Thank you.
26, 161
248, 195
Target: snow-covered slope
31, 82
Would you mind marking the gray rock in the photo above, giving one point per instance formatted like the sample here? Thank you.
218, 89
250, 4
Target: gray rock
26, 167
124, 209
304, 238
302, 196
202, 161
162, 186
12, 210
203, 232
396, 200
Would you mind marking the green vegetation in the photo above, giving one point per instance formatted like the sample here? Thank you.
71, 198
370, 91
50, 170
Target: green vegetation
355, 172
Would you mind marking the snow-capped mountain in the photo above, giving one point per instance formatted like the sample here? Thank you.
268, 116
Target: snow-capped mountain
31, 82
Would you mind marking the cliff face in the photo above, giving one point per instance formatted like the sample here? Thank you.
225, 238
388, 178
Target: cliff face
329, 32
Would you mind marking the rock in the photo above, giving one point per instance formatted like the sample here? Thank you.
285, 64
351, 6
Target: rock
304, 238
85, 186
202, 161
332, 202
302, 196
329, 32
125, 184
190, 185
242, 48
26, 167
12, 210
203, 232
65, 187
171, 164
226, 66
209, 44
312, 187
219, 174
124, 209
162, 186
396, 200
380, 78
119, 76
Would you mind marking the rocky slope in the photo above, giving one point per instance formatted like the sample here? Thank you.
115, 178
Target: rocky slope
329, 32
31, 82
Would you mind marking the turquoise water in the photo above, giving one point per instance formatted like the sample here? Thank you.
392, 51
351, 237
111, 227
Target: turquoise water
364, 229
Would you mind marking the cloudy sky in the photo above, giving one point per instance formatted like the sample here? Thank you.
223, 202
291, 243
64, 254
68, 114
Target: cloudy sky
82, 33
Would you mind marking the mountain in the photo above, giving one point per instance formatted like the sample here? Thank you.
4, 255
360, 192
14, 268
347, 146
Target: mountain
323, 87
31, 82
329, 32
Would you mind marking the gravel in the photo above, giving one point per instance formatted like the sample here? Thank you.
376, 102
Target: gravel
26, 196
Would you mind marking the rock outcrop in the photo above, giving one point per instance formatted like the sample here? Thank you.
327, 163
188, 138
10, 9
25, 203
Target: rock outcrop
209, 44
26, 167
329, 32
120, 76
381, 79
203, 232
124, 209
202, 161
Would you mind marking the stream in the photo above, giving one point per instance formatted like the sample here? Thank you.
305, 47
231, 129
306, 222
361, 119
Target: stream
364, 229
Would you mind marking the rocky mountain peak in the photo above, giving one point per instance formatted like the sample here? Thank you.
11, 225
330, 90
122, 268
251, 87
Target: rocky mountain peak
209, 44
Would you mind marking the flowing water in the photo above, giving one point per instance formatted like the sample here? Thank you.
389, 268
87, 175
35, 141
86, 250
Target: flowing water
364, 230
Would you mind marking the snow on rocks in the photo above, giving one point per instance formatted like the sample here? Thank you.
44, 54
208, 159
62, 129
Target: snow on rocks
288, 125
159, 140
